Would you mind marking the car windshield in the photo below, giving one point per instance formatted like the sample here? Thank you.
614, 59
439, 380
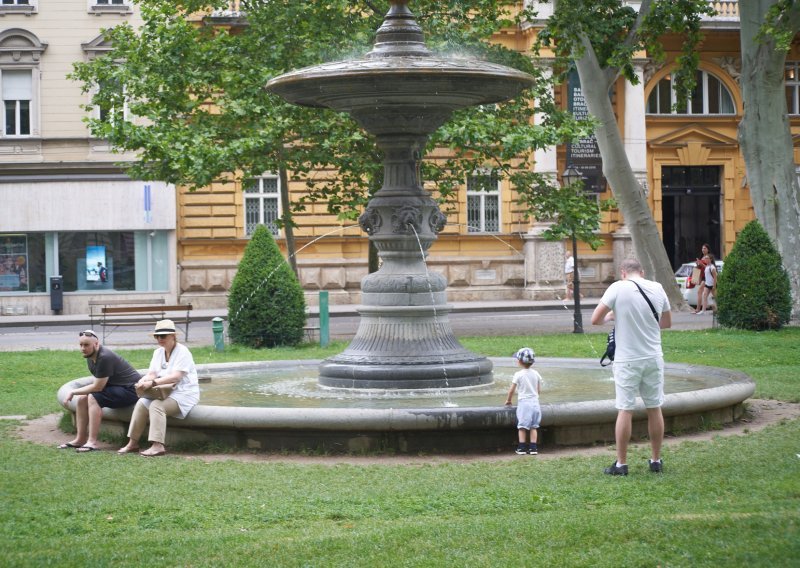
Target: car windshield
684, 270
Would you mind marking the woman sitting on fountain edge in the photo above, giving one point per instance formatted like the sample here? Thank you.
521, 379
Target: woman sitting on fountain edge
172, 364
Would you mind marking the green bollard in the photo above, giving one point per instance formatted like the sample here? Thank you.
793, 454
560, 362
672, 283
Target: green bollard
324, 320
219, 338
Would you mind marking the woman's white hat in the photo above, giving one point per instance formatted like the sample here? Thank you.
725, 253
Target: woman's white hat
164, 327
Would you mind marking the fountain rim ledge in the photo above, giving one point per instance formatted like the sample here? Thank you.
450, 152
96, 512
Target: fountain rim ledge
737, 391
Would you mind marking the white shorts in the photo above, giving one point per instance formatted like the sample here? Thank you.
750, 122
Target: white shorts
529, 414
644, 377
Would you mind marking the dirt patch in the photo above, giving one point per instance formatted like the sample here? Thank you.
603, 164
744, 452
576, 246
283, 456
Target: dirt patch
760, 414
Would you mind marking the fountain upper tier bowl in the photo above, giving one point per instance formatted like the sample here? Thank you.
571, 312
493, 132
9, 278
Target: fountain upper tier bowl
401, 94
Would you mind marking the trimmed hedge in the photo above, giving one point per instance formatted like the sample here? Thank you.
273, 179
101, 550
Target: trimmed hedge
753, 291
266, 305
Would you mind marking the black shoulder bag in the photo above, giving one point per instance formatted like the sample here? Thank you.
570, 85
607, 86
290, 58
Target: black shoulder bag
611, 344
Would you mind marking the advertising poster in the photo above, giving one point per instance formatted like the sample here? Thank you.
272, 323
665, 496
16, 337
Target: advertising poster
584, 154
14, 263
96, 270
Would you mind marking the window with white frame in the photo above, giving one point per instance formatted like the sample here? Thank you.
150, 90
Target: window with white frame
17, 89
262, 204
110, 6
483, 202
20, 54
26, 7
709, 96
115, 106
792, 78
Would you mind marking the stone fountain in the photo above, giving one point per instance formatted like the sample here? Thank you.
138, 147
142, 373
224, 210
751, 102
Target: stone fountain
401, 93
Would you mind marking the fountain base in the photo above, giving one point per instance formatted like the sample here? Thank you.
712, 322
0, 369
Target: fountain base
438, 429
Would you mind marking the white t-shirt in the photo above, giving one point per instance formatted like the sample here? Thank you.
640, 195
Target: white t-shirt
569, 266
187, 393
527, 381
636, 331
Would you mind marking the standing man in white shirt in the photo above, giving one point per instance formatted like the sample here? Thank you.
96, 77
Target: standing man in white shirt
639, 360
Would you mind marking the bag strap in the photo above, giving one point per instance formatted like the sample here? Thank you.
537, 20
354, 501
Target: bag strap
649, 303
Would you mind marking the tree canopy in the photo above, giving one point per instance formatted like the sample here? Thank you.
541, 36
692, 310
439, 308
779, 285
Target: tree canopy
202, 113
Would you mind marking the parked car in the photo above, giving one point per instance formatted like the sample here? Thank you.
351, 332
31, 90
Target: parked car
682, 276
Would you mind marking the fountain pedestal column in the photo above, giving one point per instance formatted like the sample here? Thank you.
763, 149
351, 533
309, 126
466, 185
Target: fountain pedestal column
404, 338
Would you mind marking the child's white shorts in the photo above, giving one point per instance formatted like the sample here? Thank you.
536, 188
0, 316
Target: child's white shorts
529, 413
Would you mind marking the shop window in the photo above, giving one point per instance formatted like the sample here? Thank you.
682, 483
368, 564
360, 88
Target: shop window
22, 262
709, 96
262, 204
97, 260
483, 203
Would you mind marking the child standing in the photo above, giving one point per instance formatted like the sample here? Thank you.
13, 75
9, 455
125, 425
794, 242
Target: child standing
527, 383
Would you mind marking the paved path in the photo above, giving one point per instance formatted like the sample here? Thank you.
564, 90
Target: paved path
27, 333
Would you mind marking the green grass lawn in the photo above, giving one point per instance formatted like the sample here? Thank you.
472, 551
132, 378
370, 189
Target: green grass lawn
732, 501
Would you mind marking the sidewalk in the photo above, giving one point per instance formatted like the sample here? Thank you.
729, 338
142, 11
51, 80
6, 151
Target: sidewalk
344, 310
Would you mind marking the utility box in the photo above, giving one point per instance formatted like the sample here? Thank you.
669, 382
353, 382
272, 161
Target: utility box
56, 293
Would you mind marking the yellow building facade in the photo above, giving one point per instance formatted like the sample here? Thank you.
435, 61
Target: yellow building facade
689, 164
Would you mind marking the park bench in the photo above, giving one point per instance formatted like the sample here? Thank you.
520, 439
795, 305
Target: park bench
113, 314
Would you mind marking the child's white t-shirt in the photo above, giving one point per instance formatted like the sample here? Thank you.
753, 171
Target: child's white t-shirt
527, 381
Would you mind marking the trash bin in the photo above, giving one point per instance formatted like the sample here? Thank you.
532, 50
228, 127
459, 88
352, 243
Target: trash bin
56, 293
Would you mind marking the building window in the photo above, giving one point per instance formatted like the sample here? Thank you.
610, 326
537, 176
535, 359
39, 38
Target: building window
26, 7
20, 54
115, 106
17, 91
262, 204
709, 96
793, 87
110, 6
483, 203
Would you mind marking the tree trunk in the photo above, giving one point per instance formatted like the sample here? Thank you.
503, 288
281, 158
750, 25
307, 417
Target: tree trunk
766, 141
647, 242
288, 223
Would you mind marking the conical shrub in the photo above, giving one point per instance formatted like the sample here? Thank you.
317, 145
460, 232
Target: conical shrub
266, 306
753, 290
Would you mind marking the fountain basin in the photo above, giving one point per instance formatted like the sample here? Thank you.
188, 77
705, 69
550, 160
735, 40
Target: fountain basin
440, 429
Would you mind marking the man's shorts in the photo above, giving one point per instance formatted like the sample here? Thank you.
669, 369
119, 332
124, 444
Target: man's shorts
116, 396
529, 414
643, 377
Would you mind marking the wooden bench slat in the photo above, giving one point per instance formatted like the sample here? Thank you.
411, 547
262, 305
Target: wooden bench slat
119, 316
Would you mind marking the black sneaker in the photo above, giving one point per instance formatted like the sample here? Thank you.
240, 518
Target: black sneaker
616, 469
521, 450
656, 467
533, 450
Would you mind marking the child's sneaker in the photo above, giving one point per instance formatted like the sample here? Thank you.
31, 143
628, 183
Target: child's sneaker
657, 466
533, 450
521, 450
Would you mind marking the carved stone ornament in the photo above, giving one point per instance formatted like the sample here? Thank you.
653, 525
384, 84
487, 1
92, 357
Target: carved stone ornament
437, 221
731, 65
405, 217
370, 221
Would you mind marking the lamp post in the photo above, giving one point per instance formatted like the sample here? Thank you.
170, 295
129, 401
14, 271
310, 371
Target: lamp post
572, 176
